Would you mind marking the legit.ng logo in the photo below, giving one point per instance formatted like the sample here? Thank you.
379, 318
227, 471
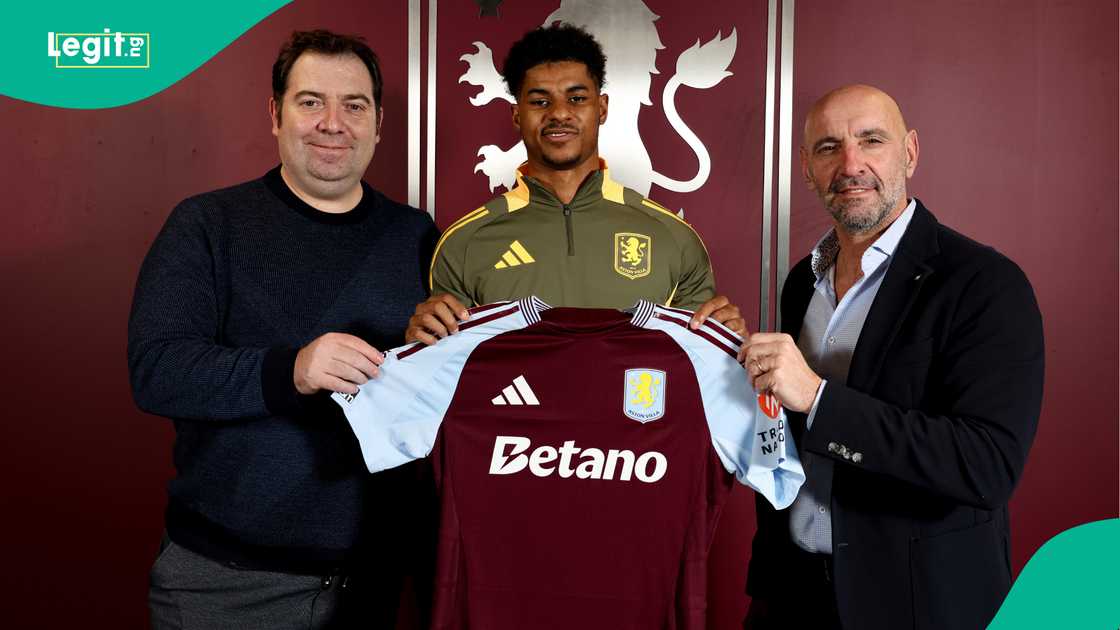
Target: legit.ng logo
106, 50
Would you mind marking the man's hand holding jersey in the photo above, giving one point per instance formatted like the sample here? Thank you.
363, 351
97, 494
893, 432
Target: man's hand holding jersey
439, 316
335, 362
775, 364
721, 310
435, 318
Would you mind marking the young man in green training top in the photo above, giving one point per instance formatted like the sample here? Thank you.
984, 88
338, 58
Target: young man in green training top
567, 232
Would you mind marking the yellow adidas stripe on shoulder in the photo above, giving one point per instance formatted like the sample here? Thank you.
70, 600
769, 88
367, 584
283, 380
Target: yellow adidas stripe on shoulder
612, 190
662, 209
517, 198
463, 220
672, 294
470, 216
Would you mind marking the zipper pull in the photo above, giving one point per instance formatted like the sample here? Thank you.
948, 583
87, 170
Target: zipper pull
568, 230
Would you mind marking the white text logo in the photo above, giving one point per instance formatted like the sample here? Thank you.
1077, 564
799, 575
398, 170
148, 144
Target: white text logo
509, 458
100, 50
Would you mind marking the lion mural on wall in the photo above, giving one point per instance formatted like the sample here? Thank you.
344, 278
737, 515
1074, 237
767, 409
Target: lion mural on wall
627, 31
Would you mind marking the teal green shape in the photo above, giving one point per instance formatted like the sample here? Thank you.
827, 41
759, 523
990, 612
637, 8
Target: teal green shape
183, 36
1070, 582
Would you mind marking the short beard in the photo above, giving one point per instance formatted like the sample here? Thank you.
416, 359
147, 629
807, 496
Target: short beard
566, 165
860, 223
561, 165
866, 222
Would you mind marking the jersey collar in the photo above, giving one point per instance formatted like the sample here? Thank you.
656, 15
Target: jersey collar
532, 307
596, 187
642, 311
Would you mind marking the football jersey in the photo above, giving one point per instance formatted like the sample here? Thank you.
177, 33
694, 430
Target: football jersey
582, 456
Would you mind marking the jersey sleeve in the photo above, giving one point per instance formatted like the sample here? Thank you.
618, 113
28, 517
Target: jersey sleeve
749, 431
447, 277
697, 283
447, 273
397, 415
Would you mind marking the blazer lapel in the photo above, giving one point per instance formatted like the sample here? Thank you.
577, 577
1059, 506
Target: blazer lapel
907, 273
796, 295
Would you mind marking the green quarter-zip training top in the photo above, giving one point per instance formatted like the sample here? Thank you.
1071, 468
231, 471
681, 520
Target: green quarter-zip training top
608, 248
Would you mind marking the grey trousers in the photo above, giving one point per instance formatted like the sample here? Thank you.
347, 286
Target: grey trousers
189, 591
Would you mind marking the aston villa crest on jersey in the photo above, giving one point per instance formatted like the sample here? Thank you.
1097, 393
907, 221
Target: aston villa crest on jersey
632, 254
644, 394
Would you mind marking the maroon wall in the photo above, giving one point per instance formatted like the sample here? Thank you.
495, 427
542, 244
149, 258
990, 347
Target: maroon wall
1015, 103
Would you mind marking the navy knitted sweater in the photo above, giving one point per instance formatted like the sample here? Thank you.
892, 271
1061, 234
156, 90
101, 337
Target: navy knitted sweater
236, 282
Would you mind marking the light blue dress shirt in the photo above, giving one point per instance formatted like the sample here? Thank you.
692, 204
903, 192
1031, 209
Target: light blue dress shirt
828, 338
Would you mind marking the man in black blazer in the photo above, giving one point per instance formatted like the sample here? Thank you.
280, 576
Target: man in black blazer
911, 362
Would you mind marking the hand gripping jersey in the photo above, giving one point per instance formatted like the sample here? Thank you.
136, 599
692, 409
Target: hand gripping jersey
583, 457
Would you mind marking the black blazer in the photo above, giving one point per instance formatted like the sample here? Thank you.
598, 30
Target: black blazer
929, 437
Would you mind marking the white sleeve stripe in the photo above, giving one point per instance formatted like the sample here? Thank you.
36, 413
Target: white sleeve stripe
486, 308
642, 311
532, 307
400, 349
716, 327
713, 336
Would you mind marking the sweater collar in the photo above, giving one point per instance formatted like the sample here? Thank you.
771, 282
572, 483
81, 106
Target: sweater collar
275, 183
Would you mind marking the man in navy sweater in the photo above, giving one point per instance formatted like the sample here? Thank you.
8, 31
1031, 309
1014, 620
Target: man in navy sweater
253, 304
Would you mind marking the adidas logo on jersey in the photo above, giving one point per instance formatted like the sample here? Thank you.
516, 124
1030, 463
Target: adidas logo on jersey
517, 394
515, 256
593, 463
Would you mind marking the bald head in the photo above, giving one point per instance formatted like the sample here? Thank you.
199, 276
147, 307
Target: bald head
843, 100
857, 155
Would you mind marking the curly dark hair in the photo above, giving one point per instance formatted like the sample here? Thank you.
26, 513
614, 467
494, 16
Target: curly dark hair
549, 44
325, 43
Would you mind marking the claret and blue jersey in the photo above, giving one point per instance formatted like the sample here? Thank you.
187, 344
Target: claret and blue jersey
583, 458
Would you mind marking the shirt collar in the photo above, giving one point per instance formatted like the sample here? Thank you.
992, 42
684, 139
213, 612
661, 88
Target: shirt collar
826, 249
597, 186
